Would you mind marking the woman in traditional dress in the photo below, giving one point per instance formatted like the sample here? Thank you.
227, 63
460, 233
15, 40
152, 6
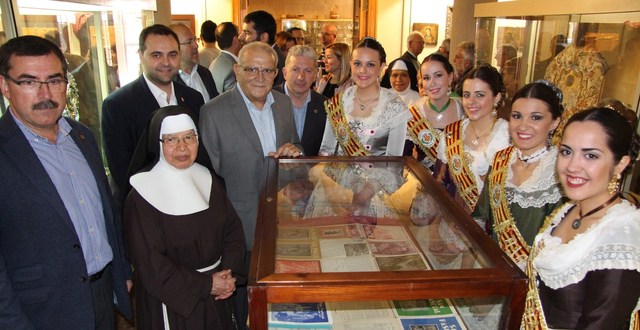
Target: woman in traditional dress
586, 259
366, 119
467, 146
401, 76
183, 237
337, 61
433, 112
521, 188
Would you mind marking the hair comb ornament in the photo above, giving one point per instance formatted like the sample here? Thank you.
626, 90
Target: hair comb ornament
553, 87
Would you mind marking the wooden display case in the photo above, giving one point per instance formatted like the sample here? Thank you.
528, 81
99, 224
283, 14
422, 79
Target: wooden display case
341, 229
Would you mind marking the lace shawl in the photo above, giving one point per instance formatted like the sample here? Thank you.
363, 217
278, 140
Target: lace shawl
612, 243
389, 111
541, 188
480, 161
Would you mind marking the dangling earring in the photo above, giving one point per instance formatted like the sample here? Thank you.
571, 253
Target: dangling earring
449, 91
614, 185
494, 112
550, 137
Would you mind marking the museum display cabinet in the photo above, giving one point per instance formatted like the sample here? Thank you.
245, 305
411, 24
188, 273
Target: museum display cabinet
590, 49
348, 30
374, 243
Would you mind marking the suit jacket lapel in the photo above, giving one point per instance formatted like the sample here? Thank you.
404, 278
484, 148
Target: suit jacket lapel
146, 96
244, 119
16, 145
279, 119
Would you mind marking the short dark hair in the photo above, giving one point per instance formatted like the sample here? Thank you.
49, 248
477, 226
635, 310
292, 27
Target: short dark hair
28, 46
225, 33
263, 22
208, 31
621, 135
158, 29
372, 43
295, 28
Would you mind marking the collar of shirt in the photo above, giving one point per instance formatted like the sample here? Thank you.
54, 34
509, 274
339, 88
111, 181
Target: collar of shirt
230, 53
299, 114
267, 104
64, 129
306, 102
160, 95
194, 81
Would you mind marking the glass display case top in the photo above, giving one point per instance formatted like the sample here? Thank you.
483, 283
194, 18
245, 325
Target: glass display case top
346, 216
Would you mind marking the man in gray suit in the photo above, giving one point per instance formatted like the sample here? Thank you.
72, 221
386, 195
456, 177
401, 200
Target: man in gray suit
222, 67
240, 129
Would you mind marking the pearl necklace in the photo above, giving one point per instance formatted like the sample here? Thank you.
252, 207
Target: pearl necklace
533, 158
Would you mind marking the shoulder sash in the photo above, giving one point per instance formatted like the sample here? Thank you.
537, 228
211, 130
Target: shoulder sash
345, 137
458, 166
423, 134
509, 237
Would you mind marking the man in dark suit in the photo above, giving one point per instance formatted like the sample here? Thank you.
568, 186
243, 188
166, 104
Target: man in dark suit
222, 67
300, 71
240, 129
126, 111
261, 26
415, 46
191, 73
62, 263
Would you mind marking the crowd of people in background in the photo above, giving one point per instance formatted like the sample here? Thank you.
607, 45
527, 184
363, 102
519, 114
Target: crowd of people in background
188, 141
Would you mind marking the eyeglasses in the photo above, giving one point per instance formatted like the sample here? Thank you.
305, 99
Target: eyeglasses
173, 141
253, 72
189, 41
56, 85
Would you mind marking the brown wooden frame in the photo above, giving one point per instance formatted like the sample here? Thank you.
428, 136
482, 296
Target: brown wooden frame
265, 286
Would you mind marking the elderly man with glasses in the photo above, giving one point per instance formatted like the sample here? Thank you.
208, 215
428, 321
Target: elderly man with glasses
240, 129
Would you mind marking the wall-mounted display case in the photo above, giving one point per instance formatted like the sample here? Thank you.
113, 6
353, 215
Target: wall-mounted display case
374, 241
348, 30
590, 49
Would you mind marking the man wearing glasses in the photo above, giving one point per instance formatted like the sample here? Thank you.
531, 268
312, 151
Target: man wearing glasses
191, 73
62, 260
126, 111
240, 129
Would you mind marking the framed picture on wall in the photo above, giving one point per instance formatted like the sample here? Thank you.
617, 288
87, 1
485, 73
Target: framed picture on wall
429, 31
188, 20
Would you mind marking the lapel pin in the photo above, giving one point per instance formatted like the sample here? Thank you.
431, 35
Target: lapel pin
82, 137
315, 110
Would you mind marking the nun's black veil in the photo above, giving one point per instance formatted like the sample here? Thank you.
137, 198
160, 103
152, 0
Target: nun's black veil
147, 153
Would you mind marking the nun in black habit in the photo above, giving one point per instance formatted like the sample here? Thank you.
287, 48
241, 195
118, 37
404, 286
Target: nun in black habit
183, 237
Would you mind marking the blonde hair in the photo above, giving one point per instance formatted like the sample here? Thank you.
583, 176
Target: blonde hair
344, 55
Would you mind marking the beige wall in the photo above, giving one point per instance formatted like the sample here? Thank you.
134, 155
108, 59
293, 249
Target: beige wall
216, 10
390, 17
